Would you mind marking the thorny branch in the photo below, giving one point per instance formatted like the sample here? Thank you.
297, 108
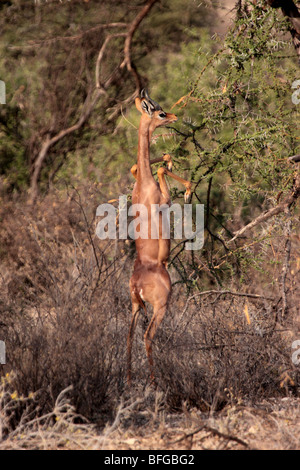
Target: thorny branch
282, 207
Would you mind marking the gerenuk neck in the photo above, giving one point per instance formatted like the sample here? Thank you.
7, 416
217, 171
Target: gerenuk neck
143, 160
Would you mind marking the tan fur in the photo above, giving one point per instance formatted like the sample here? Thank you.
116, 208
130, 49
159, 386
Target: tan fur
150, 281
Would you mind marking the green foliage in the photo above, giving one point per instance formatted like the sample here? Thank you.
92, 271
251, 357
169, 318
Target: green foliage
241, 129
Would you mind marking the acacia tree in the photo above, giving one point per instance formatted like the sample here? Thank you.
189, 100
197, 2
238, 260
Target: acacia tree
242, 148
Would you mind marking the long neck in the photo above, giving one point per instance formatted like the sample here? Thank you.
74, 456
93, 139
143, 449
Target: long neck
143, 159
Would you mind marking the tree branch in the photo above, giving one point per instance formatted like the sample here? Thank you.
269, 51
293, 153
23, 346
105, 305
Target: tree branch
282, 207
127, 45
224, 292
295, 158
100, 89
46, 42
214, 431
101, 55
88, 107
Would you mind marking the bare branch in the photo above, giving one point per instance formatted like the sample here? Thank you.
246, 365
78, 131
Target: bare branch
100, 89
46, 42
88, 107
127, 45
214, 431
101, 55
295, 158
224, 292
282, 207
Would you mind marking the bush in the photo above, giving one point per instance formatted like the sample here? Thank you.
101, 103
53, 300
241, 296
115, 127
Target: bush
65, 313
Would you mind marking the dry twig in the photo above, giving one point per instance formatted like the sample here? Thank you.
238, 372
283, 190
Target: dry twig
215, 432
284, 206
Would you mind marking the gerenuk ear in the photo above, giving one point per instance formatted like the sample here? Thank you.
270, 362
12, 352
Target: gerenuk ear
147, 107
144, 107
138, 105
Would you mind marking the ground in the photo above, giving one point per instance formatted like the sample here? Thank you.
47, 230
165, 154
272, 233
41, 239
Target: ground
270, 425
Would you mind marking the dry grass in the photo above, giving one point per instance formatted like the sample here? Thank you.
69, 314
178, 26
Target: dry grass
143, 424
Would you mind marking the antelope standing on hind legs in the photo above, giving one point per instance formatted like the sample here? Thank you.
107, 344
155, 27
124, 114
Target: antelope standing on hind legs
150, 281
